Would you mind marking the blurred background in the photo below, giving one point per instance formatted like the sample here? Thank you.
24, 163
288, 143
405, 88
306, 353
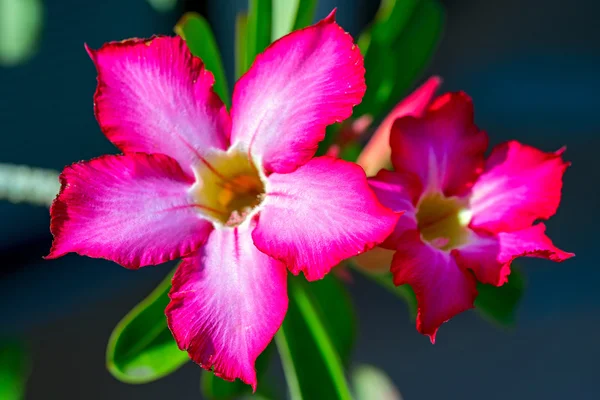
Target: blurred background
532, 69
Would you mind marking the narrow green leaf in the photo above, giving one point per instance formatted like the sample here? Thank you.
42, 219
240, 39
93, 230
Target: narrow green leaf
415, 48
371, 383
14, 370
141, 348
215, 388
20, 27
391, 18
305, 14
259, 27
499, 304
314, 341
332, 302
397, 47
196, 32
289, 15
241, 45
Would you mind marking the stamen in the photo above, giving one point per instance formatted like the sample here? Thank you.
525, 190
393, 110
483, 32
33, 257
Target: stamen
228, 187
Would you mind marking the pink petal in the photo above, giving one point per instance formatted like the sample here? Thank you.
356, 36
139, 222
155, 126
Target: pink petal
377, 153
303, 82
132, 209
227, 303
520, 185
441, 287
153, 96
399, 192
489, 257
444, 148
319, 215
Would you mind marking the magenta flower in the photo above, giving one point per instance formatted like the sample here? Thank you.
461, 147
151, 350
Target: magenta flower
466, 218
239, 198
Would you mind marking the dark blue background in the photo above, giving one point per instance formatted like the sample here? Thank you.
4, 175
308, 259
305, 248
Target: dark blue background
532, 69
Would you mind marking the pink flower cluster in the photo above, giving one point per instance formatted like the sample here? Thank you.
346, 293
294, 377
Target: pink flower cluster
240, 199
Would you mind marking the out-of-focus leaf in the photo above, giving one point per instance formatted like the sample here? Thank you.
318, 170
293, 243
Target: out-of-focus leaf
331, 133
372, 383
14, 370
259, 27
391, 18
499, 304
141, 348
289, 15
397, 47
196, 32
416, 45
163, 5
351, 152
403, 291
20, 28
215, 388
332, 302
241, 45
315, 339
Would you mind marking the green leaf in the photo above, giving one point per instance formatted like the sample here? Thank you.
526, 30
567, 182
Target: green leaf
316, 338
397, 48
259, 27
499, 304
289, 15
20, 27
196, 32
370, 383
14, 370
416, 45
215, 388
241, 46
141, 348
391, 18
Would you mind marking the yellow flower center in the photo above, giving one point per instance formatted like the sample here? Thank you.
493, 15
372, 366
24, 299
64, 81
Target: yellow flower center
228, 187
443, 221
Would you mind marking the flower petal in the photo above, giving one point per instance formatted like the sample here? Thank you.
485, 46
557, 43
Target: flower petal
319, 215
399, 192
442, 288
227, 303
153, 96
377, 153
520, 185
489, 257
444, 148
131, 209
303, 82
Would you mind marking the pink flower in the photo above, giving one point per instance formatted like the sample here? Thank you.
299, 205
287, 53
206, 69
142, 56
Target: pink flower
466, 217
238, 195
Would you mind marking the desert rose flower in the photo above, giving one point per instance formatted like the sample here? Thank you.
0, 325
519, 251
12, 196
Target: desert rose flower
466, 218
237, 195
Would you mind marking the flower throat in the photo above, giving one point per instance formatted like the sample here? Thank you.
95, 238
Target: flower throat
228, 187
